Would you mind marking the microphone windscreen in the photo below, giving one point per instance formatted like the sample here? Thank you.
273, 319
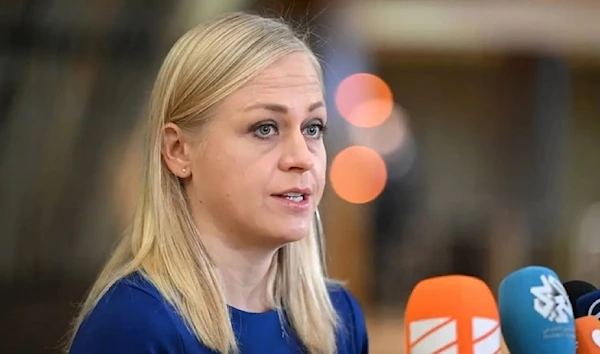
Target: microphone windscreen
589, 304
452, 314
587, 331
575, 290
535, 313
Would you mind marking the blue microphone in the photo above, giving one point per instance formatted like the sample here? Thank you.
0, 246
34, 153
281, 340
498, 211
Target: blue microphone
535, 313
589, 304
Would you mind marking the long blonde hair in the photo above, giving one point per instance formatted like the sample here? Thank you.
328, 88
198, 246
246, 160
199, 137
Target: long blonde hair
204, 66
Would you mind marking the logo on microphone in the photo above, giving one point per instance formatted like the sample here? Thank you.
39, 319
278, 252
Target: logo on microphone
594, 309
441, 334
551, 300
596, 337
431, 335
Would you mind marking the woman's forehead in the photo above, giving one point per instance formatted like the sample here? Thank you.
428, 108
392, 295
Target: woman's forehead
290, 81
292, 71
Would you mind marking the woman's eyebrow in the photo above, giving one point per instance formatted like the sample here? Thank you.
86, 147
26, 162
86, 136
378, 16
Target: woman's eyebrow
278, 108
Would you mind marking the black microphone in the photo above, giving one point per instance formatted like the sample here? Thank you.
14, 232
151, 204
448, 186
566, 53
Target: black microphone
575, 290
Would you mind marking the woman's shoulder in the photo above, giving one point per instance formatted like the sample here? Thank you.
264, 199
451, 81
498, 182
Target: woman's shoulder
352, 319
131, 317
133, 294
344, 302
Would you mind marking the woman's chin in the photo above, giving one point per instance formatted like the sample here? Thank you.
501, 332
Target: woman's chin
283, 237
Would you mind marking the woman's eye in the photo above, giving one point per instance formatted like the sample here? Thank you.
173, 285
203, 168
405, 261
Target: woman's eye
266, 130
314, 130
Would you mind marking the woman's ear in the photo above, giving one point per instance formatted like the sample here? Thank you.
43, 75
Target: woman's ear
176, 151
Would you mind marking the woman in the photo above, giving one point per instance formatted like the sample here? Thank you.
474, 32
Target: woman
223, 255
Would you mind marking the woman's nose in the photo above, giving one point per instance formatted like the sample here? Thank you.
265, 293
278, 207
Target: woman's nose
296, 154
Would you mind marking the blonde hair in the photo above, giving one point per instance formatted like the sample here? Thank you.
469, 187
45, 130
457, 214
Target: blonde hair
204, 66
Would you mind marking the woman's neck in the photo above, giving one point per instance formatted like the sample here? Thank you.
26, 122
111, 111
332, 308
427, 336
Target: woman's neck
244, 273
245, 280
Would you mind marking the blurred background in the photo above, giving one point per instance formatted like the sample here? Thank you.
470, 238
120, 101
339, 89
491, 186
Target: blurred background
464, 138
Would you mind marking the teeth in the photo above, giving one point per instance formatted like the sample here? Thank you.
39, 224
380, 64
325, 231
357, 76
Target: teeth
294, 197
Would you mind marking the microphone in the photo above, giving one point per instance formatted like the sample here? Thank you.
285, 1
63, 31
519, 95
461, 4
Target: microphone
589, 304
452, 314
535, 313
575, 290
587, 331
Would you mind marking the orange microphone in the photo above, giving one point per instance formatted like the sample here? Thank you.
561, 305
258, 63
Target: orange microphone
587, 333
452, 314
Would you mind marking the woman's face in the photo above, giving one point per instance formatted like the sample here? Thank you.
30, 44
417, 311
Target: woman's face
258, 173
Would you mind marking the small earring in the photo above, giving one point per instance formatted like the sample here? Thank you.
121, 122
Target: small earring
183, 170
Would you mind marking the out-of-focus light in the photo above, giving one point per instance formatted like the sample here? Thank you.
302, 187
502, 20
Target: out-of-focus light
364, 100
385, 139
358, 174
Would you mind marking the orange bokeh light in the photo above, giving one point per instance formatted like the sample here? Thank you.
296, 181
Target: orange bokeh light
364, 100
358, 174
387, 138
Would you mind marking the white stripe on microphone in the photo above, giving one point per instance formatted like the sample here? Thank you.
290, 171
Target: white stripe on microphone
486, 335
433, 342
